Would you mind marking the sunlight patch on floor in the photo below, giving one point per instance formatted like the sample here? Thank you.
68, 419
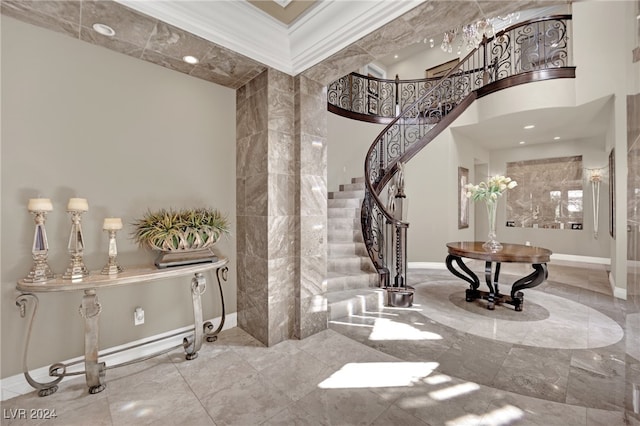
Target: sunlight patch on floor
379, 375
385, 329
454, 391
498, 417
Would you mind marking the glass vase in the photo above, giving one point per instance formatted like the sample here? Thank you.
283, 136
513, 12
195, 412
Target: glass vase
492, 244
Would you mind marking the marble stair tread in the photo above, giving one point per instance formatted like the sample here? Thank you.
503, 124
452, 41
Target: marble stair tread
353, 280
352, 223
342, 235
354, 302
345, 263
350, 212
355, 194
352, 186
347, 248
344, 202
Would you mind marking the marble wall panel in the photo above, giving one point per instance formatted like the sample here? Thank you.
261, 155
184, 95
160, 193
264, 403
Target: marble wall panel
312, 317
313, 235
313, 195
394, 35
122, 46
280, 81
313, 273
313, 153
129, 25
258, 83
164, 61
530, 204
257, 239
281, 281
241, 234
257, 195
281, 153
282, 195
312, 121
281, 320
174, 42
251, 154
280, 111
20, 10
54, 10
281, 236
240, 197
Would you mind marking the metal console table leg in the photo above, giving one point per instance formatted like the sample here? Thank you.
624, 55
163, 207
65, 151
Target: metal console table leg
43, 389
94, 371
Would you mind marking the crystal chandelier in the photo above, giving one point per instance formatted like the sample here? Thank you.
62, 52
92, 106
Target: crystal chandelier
472, 34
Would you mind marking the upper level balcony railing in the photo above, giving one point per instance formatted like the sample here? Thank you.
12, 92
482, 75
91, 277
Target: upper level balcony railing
538, 45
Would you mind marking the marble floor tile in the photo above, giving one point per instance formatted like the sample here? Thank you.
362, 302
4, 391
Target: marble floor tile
571, 358
535, 372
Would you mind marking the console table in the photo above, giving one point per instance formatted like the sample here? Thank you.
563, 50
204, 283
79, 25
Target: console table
90, 310
536, 256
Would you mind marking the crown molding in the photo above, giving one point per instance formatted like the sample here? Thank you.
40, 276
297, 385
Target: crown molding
239, 26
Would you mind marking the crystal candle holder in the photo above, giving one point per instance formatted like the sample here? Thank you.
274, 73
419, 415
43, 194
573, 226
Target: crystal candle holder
112, 225
76, 269
40, 272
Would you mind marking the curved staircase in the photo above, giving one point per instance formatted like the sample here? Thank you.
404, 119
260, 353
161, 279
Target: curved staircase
352, 281
530, 51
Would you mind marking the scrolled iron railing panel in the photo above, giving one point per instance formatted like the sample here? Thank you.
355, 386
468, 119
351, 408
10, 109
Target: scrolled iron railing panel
428, 107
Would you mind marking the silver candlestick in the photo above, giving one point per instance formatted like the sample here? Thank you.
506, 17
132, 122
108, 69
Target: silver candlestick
40, 272
76, 269
111, 225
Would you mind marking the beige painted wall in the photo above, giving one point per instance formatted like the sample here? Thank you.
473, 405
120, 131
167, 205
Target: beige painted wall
603, 69
348, 142
80, 120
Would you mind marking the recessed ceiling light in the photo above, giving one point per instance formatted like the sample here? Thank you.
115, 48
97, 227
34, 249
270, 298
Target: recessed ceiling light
103, 29
529, 126
522, 142
556, 138
190, 59
395, 56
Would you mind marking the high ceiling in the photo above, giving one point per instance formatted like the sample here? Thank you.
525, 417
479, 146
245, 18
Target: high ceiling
236, 40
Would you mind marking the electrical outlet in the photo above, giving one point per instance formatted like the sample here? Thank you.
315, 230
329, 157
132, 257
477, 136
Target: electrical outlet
138, 316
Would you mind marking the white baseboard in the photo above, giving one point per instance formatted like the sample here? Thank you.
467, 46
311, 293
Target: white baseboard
17, 385
581, 259
426, 265
620, 293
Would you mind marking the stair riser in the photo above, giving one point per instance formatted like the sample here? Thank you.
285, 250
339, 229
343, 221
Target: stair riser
344, 223
344, 202
364, 280
349, 264
343, 249
352, 187
341, 236
349, 212
372, 302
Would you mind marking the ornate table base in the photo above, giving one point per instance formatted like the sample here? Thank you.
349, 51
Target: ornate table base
90, 310
522, 254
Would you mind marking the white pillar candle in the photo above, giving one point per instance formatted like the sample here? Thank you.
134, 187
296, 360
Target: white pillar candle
40, 204
78, 204
112, 224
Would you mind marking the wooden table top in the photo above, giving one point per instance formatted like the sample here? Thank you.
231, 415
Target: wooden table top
509, 253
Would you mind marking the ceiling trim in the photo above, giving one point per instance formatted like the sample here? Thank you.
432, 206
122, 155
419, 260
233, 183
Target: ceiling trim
237, 25
334, 25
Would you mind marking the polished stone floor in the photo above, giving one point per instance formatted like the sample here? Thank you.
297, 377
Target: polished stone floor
569, 358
